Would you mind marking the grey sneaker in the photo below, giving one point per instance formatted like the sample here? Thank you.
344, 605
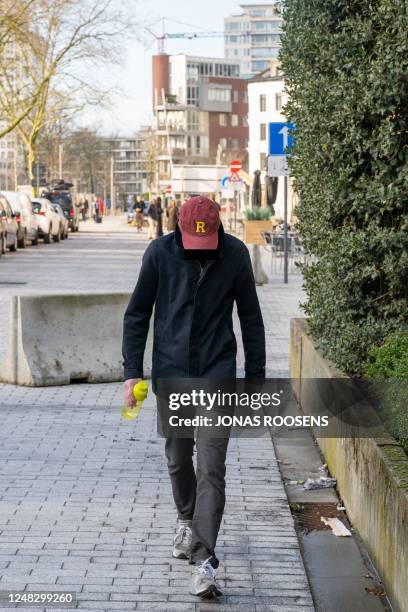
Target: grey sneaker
203, 582
182, 540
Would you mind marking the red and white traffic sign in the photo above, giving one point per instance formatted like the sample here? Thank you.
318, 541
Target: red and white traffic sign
235, 166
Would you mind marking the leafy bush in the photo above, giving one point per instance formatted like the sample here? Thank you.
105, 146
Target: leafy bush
390, 361
345, 65
257, 214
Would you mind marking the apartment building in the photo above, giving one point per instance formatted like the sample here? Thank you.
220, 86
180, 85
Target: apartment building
130, 164
200, 107
253, 37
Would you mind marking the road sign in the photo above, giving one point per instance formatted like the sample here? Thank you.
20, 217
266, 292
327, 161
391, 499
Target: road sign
234, 178
232, 182
278, 165
235, 166
168, 189
280, 145
280, 138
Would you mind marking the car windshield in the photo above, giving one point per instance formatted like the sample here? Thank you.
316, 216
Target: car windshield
63, 199
36, 207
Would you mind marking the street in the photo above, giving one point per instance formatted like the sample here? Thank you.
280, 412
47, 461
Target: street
86, 500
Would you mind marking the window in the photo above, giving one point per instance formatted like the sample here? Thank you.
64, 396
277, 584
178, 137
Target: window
192, 95
193, 121
259, 25
198, 144
235, 96
223, 119
278, 102
262, 131
223, 143
245, 121
245, 99
219, 95
235, 144
257, 13
262, 161
261, 65
262, 103
232, 25
234, 121
192, 72
261, 52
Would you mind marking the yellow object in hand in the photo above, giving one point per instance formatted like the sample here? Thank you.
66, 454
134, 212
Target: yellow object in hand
140, 391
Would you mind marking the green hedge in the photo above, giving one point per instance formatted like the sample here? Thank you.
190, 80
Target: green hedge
390, 361
346, 64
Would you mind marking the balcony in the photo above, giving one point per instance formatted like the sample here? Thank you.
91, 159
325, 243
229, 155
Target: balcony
171, 129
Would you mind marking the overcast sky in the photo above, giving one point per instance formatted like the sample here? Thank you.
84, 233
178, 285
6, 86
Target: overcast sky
132, 107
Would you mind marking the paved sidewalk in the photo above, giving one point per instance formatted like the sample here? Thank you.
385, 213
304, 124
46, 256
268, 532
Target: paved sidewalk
86, 505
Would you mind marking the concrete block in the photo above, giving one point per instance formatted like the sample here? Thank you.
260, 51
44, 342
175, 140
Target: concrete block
60, 339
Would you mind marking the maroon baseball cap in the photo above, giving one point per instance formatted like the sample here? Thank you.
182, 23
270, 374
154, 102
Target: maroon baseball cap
199, 221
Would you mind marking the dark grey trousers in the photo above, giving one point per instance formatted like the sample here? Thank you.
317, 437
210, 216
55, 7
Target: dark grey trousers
199, 496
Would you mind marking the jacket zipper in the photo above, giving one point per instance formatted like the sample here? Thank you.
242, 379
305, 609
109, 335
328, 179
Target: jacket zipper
203, 272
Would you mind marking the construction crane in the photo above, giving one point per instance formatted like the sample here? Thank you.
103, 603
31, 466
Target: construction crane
183, 35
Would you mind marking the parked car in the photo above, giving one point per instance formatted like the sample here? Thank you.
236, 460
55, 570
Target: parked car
8, 227
63, 220
49, 223
71, 212
26, 219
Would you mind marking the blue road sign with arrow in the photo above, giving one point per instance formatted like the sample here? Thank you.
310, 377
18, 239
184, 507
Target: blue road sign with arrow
280, 138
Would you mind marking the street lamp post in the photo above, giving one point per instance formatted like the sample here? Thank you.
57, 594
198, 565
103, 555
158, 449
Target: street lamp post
60, 151
112, 186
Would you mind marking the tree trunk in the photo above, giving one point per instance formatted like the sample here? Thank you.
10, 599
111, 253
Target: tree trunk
31, 153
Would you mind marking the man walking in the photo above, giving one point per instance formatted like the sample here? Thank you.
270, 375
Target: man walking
193, 276
152, 220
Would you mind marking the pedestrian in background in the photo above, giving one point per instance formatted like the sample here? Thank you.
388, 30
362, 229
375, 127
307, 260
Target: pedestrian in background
138, 207
172, 216
85, 209
96, 210
159, 213
152, 220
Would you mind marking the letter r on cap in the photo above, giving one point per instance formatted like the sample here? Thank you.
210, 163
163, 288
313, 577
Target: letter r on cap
200, 227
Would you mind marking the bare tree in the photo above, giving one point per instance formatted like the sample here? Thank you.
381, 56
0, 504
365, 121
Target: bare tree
13, 26
63, 43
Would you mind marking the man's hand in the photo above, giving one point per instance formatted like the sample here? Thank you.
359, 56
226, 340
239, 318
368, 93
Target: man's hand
128, 391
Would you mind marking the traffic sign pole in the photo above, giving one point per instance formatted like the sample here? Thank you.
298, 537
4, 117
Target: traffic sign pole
280, 145
285, 229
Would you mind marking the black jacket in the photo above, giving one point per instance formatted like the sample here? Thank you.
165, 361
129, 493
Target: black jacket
193, 333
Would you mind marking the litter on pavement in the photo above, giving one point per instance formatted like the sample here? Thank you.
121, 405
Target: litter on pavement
324, 482
338, 528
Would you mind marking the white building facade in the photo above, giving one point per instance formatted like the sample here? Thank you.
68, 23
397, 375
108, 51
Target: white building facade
266, 99
253, 37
